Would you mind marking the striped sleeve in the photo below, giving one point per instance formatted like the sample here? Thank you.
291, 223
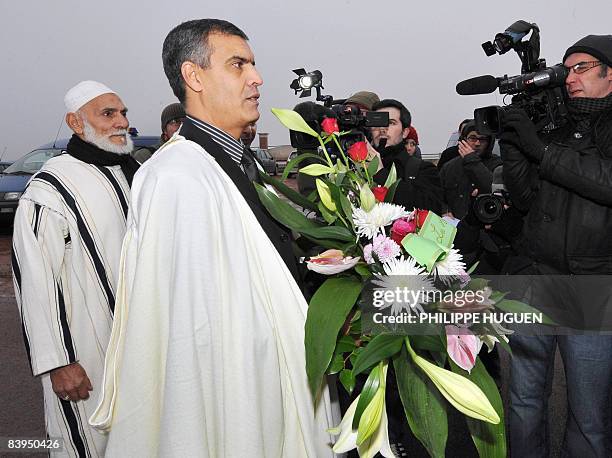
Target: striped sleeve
40, 236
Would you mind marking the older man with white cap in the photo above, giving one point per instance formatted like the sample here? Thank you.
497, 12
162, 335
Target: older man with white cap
66, 249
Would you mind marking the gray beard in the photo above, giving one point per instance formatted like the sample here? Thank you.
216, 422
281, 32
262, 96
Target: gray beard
104, 142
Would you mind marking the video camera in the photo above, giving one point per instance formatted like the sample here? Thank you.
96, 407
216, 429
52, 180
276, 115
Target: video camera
539, 90
349, 118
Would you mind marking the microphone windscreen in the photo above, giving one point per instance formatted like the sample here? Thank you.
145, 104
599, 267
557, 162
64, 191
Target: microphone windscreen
479, 85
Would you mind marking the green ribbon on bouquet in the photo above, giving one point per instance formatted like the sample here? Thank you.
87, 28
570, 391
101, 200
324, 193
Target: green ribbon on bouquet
432, 243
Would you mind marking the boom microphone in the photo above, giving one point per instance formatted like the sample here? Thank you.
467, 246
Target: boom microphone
479, 85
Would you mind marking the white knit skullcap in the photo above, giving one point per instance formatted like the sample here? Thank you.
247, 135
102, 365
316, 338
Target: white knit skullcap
83, 92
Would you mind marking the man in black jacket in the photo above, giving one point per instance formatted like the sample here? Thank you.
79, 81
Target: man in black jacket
420, 183
472, 169
562, 181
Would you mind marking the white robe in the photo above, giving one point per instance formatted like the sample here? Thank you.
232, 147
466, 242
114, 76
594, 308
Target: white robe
67, 238
206, 357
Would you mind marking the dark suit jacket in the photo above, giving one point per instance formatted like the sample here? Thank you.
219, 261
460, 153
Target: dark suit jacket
278, 235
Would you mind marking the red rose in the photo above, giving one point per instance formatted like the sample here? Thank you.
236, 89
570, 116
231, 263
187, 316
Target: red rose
330, 125
420, 217
401, 228
379, 193
358, 151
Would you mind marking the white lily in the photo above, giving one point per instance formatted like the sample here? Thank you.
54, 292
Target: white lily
374, 417
331, 262
462, 393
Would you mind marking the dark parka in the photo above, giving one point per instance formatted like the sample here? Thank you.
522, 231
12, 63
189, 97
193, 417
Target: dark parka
461, 175
567, 198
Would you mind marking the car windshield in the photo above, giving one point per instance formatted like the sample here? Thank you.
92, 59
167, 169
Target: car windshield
31, 162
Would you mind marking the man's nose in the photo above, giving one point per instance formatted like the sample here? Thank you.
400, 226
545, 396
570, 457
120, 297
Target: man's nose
256, 79
121, 122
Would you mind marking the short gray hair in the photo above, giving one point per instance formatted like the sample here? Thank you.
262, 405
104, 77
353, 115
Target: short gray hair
189, 42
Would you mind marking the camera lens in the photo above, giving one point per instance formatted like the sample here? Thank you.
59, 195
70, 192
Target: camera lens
490, 208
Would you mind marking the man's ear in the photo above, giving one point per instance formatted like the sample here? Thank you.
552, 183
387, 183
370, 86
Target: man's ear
405, 132
192, 77
75, 123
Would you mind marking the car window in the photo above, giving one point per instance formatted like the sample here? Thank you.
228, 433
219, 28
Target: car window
32, 162
263, 155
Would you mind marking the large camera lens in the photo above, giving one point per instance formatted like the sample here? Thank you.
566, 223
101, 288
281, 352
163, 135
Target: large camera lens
488, 208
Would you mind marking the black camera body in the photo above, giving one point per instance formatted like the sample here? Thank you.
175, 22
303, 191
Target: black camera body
539, 90
350, 119
489, 208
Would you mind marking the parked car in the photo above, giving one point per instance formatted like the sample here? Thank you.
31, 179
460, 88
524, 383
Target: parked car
292, 156
266, 160
14, 178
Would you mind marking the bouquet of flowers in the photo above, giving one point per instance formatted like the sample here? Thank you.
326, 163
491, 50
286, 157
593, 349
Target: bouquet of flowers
366, 239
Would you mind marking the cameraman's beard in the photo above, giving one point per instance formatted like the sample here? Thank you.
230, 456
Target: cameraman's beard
104, 143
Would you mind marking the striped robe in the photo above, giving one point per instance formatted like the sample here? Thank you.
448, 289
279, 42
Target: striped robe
67, 241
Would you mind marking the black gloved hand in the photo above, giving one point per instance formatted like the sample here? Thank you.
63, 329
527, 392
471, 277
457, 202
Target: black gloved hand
521, 132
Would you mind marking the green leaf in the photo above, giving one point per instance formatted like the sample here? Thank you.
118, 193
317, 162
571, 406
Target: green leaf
348, 380
511, 306
325, 195
490, 439
424, 406
391, 192
327, 312
381, 347
473, 268
330, 232
293, 163
336, 244
292, 195
345, 204
282, 211
391, 178
429, 343
293, 121
363, 271
315, 170
367, 394
497, 296
373, 166
345, 344
336, 365
477, 284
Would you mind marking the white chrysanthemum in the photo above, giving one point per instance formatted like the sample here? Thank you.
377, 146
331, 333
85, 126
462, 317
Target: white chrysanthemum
403, 275
450, 268
382, 214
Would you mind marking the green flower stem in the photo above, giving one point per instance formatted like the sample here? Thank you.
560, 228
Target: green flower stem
341, 151
329, 161
365, 169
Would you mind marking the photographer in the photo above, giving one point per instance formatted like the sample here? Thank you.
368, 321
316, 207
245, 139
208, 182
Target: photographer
562, 181
472, 169
420, 183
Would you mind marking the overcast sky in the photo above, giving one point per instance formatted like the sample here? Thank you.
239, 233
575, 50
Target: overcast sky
413, 51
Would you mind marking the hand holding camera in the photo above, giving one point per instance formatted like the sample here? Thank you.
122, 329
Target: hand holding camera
520, 132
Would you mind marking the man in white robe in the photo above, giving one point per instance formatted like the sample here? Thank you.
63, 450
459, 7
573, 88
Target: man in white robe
206, 357
67, 238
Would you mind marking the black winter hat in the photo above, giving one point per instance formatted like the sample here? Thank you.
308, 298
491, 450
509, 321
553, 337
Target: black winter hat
599, 46
172, 111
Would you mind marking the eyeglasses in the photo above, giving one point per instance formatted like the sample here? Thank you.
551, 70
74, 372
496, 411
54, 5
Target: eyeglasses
175, 122
475, 138
582, 67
